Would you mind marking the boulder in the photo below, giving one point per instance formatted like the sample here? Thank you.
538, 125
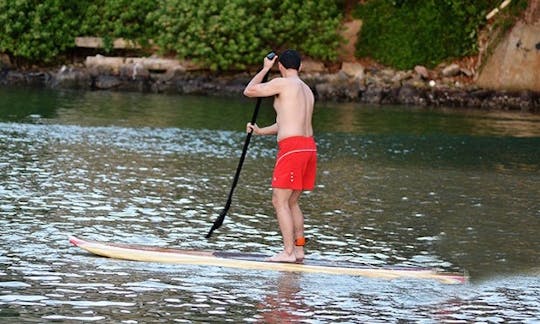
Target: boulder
133, 71
154, 64
37, 79
515, 63
5, 61
107, 82
100, 64
71, 78
451, 70
354, 70
422, 71
14, 78
408, 95
372, 95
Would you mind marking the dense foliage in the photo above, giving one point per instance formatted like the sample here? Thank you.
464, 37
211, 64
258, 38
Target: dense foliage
38, 30
213, 32
230, 34
235, 33
218, 34
404, 33
111, 19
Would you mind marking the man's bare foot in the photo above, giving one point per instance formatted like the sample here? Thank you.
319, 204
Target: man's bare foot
299, 253
283, 257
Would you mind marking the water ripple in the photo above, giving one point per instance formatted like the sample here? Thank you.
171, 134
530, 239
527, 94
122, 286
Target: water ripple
165, 186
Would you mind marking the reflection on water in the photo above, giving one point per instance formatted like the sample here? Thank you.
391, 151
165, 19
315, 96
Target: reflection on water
426, 189
350, 118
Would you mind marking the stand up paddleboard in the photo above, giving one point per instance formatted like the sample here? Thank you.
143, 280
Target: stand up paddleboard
256, 262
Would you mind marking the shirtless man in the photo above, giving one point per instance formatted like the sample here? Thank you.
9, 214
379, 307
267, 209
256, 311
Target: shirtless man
296, 160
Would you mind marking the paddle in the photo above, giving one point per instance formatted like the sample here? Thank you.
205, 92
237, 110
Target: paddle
219, 221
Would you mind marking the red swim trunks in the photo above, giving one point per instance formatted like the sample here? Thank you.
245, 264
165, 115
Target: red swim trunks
296, 164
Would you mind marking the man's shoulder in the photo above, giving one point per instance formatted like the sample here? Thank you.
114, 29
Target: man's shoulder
280, 84
287, 82
278, 79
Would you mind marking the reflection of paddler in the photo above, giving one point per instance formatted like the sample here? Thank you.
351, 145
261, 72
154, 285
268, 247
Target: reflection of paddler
285, 305
446, 312
296, 164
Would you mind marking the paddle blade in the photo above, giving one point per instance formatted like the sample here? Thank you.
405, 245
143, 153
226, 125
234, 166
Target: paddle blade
219, 221
215, 227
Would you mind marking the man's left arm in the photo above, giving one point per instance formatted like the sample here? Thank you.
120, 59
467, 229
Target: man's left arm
268, 130
267, 89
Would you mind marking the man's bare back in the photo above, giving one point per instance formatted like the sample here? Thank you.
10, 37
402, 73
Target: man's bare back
294, 108
293, 102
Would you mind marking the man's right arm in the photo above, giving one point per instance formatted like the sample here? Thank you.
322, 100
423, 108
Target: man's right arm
255, 87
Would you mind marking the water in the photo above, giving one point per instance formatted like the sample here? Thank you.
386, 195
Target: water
396, 186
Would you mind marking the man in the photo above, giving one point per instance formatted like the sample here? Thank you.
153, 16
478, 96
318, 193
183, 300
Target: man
296, 160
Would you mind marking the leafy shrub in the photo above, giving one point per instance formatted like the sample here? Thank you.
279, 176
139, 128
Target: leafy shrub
212, 32
111, 19
236, 33
309, 26
405, 33
218, 34
37, 30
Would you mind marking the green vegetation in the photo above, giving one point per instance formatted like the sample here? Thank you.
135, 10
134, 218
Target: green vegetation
404, 33
232, 34
111, 19
218, 34
38, 30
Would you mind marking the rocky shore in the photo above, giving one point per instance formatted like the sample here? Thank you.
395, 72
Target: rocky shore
449, 86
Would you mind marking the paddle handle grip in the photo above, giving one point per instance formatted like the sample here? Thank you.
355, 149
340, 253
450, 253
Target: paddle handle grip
269, 56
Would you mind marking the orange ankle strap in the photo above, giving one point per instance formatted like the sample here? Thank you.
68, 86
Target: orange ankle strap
301, 241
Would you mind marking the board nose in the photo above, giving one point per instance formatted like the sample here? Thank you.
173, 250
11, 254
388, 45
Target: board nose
75, 241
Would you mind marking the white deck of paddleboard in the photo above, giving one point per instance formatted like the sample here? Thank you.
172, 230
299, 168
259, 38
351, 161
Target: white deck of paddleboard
162, 255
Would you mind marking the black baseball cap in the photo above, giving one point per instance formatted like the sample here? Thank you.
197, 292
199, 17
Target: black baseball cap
290, 59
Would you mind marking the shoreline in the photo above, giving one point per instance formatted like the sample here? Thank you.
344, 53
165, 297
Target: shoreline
353, 83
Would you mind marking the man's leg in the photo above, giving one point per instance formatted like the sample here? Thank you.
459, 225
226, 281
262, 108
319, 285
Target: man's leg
280, 200
298, 222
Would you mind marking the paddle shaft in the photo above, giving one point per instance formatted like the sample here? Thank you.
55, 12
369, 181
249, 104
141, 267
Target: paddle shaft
219, 221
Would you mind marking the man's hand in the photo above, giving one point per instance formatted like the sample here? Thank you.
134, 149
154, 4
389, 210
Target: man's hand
268, 63
253, 128
268, 130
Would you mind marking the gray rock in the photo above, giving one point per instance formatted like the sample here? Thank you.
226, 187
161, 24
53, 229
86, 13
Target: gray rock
71, 78
408, 95
107, 82
422, 71
451, 70
353, 70
372, 94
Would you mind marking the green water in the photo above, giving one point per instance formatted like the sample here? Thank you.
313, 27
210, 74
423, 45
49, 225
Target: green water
453, 190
